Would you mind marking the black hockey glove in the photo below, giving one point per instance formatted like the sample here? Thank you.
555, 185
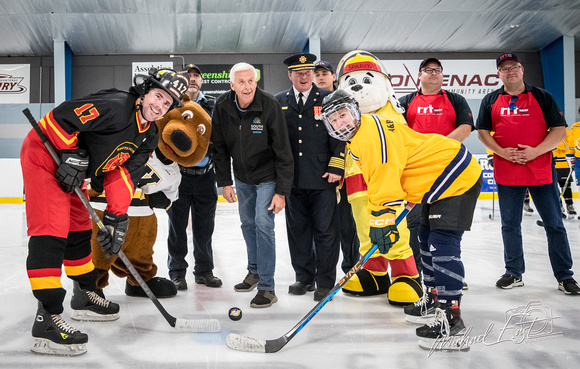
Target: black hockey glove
158, 200
112, 237
71, 171
383, 231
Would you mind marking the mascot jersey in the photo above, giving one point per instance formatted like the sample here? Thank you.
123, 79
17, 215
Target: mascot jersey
400, 164
574, 139
160, 176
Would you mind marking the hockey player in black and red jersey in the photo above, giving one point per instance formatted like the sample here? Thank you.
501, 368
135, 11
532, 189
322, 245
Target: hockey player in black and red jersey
107, 137
399, 164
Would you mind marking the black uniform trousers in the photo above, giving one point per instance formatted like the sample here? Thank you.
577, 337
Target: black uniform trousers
313, 235
198, 193
349, 242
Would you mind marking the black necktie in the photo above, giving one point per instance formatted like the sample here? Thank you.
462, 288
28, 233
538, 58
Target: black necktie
300, 102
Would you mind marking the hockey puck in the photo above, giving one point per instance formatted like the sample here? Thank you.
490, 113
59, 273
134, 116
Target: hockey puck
235, 314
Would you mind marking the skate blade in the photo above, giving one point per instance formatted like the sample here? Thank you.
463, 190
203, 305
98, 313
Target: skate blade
43, 346
422, 320
453, 343
91, 316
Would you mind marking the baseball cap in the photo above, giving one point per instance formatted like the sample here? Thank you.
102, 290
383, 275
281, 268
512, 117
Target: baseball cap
506, 56
324, 64
192, 66
429, 60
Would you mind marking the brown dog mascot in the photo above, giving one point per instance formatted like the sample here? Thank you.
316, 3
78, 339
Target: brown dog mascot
184, 136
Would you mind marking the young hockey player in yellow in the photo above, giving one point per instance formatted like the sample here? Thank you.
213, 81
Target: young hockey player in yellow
399, 164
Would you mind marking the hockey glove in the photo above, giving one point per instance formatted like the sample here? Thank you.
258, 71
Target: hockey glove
158, 200
112, 237
71, 171
383, 231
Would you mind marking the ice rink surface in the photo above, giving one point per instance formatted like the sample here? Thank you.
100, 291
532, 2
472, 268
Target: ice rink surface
535, 326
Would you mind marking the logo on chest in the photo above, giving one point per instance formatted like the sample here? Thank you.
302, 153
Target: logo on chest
120, 155
429, 110
257, 126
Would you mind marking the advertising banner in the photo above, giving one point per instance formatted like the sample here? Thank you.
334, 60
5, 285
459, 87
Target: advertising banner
14, 83
143, 67
216, 78
473, 79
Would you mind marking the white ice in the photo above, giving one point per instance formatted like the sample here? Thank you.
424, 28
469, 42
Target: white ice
532, 326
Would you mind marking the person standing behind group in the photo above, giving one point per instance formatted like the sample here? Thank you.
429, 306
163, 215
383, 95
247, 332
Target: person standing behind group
561, 154
249, 128
324, 77
432, 109
527, 126
198, 194
311, 216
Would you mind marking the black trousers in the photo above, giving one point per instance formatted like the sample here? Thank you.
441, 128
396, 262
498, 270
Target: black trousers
313, 235
198, 196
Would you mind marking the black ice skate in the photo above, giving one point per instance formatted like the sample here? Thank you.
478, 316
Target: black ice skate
446, 332
423, 310
53, 336
89, 306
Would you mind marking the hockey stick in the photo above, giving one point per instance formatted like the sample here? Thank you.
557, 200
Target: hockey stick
541, 223
191, 325
243, 343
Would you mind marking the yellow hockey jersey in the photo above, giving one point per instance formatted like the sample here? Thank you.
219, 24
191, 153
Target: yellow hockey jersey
400, 164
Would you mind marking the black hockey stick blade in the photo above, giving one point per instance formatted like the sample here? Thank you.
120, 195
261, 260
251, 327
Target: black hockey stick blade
191, 325
242, 343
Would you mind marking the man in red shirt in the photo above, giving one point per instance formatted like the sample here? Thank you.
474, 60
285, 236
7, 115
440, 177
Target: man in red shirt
527, 126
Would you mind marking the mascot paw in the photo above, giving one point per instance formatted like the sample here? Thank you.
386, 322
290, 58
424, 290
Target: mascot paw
161, 287
365, 283
405, 291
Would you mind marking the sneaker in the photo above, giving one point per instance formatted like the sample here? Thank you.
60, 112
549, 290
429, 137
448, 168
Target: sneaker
53, 336
89, 306
527, 209
569, 287
422, 311
445, 332
508, 281
571, 210
180, 283
161, 288
263, 299
249, 283
209, 280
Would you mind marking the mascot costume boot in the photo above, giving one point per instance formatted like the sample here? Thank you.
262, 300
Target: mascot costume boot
184, 136
361, 74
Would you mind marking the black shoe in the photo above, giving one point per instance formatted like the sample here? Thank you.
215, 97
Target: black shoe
300, 288
508, 281
249, 283
180, 283
264, 299
569, 287
209, 280
321, 293
161, 287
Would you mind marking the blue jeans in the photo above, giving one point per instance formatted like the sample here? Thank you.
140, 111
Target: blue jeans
547, 201
258, 229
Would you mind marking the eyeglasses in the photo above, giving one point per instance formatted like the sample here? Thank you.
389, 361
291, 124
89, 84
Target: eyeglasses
513, 105
433, 70
510, 69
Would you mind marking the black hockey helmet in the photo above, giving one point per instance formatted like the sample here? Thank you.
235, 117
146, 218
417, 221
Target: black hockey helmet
175, 84
341, 115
